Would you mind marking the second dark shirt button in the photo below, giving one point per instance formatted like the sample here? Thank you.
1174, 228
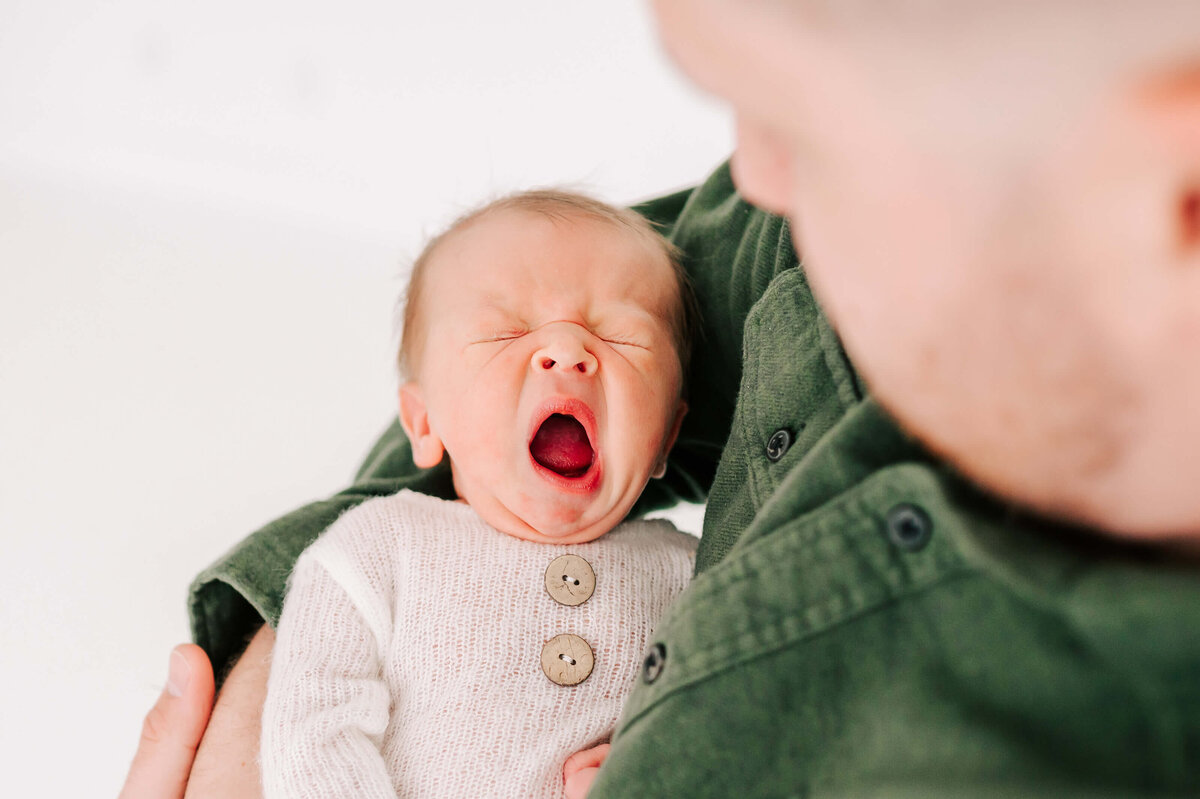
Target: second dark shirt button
778, 444
909, 527
652, 666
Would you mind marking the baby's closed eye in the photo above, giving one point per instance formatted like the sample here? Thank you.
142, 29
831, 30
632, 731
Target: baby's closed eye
619, 341
498, 335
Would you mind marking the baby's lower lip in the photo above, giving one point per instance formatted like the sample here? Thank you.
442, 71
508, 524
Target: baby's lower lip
586, 483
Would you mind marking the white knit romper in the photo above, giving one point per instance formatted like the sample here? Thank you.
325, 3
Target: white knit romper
408, 659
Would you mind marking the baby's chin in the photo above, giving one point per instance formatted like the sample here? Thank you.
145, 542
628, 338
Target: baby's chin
568, 525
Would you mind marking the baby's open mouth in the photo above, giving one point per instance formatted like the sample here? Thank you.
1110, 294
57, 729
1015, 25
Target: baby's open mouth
561, 445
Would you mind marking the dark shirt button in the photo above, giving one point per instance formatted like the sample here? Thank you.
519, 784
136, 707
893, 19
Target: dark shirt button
653, 665
779, 443
909, 527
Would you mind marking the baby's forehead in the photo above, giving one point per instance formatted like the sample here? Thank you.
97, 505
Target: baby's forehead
516, 268
505, 250
565, 221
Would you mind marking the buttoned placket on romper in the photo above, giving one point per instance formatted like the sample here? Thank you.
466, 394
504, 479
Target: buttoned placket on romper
568, 659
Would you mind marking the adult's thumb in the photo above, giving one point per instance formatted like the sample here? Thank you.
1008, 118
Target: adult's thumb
172, 729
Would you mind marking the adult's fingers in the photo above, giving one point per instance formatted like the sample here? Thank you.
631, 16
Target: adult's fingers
173, 729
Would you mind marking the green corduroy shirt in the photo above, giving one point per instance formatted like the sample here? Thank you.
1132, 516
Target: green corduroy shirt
863, 621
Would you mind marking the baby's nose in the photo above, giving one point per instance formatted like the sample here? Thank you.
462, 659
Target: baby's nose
566, 351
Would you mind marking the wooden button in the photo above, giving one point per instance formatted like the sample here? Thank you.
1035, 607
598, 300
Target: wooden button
570, 580
567, 659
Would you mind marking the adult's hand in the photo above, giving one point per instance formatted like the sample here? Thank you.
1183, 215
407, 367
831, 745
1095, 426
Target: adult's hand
172, 729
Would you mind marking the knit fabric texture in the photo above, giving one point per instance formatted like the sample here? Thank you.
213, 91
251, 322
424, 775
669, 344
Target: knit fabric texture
408, 656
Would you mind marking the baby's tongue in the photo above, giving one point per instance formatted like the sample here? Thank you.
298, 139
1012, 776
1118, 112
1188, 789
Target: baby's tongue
561, 445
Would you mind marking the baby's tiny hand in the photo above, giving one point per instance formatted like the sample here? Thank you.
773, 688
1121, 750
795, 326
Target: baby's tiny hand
579, 772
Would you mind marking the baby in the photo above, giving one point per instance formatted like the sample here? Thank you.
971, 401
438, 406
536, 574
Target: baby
435, 648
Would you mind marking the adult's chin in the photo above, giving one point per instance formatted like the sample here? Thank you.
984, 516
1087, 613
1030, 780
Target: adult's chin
1093, 472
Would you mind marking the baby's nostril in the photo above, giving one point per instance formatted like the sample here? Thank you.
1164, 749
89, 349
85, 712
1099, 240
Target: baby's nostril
547, 363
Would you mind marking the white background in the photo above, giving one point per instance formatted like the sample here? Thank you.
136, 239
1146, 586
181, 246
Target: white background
206, 211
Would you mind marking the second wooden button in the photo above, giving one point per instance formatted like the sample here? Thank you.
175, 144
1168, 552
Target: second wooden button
570, 580
567, 659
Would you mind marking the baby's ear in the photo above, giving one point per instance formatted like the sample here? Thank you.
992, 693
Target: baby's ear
427, 448
660, 468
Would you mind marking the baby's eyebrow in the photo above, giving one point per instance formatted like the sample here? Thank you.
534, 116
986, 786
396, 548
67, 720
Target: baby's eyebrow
491, 304
493, 298
632, 312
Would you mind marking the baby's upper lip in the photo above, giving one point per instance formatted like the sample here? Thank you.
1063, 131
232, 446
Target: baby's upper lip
567, 406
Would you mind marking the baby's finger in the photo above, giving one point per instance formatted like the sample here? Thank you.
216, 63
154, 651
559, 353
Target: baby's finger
588, 758
579, 783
